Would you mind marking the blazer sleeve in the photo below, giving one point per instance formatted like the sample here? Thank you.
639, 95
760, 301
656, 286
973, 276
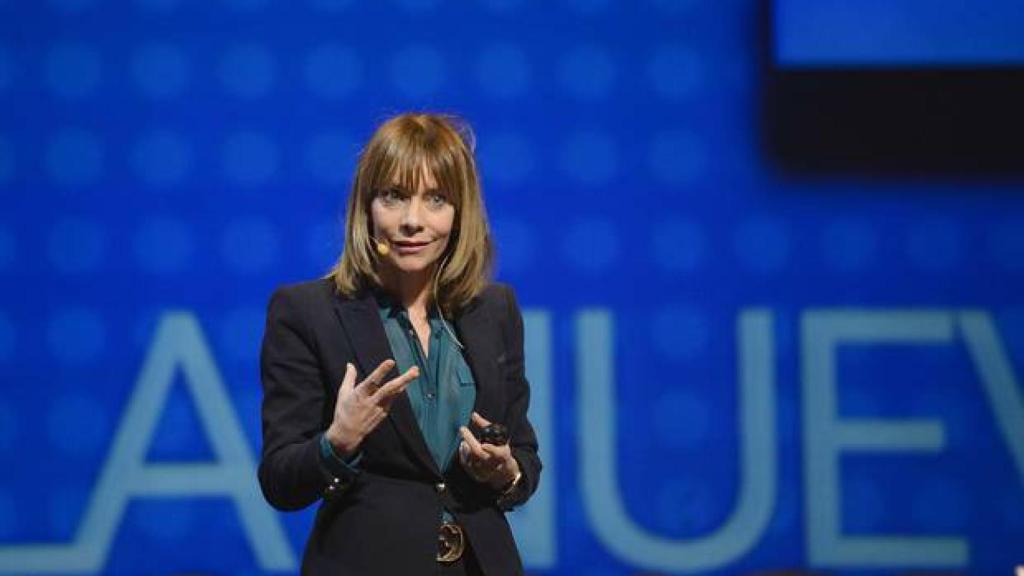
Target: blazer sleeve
291, 473
522, 437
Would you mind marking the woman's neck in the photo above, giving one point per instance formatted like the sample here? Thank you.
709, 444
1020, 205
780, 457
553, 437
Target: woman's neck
412, 291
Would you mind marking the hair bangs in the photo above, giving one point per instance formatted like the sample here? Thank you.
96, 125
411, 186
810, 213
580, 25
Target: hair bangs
409, 158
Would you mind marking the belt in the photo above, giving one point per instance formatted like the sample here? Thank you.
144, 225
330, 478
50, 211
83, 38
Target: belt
451, 542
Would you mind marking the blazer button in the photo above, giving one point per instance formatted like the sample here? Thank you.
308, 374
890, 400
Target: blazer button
332, 487
440, 487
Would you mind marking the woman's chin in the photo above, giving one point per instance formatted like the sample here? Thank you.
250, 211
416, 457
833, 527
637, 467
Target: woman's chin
412, 265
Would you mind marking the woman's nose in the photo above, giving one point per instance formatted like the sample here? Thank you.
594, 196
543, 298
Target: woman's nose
411, 216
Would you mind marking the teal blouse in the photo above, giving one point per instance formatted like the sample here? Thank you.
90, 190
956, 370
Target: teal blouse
442, 396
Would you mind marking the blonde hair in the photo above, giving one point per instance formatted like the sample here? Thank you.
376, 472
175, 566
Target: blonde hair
399, 151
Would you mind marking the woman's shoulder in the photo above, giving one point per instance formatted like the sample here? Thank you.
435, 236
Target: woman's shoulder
494, 292
497, 297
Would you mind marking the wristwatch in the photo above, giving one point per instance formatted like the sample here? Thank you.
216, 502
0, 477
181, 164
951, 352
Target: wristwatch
512, 485
504, 500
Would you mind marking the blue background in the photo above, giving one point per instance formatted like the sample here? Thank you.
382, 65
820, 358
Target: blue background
899, 32
164, 155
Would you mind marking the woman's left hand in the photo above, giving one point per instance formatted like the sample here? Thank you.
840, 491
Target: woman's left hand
486, 463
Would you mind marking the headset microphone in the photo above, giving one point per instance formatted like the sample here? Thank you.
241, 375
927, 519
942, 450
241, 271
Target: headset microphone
383, 249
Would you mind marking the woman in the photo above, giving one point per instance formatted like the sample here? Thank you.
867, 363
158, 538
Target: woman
381, 380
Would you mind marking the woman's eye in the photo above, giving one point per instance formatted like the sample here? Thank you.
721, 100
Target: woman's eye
390, 196
436, 200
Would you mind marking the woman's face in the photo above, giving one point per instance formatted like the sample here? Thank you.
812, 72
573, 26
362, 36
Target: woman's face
415, 225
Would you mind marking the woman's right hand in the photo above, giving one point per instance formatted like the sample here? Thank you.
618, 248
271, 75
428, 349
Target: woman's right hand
360, 408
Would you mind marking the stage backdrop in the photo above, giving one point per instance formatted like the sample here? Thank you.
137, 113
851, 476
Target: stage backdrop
737, 366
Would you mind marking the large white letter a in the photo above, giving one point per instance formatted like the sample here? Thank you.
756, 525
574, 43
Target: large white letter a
178, 343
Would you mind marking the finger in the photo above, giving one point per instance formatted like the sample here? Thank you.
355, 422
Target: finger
469, 462
498, 460
377, 376
480, 420
385, 403
465, 455
497, 452
349, 381
396, 386
388, 397
475, 448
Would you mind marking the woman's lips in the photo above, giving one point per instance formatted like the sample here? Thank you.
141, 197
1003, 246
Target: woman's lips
409, 247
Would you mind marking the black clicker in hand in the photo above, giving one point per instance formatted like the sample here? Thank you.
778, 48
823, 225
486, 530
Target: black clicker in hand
496, 434
487, 456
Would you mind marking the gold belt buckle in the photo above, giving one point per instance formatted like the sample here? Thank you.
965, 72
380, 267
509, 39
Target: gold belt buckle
451, 542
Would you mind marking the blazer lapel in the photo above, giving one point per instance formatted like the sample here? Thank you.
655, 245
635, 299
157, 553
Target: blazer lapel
361, 321
474, 326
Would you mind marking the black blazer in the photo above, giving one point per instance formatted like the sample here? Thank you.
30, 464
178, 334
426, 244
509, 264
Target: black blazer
385, 520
